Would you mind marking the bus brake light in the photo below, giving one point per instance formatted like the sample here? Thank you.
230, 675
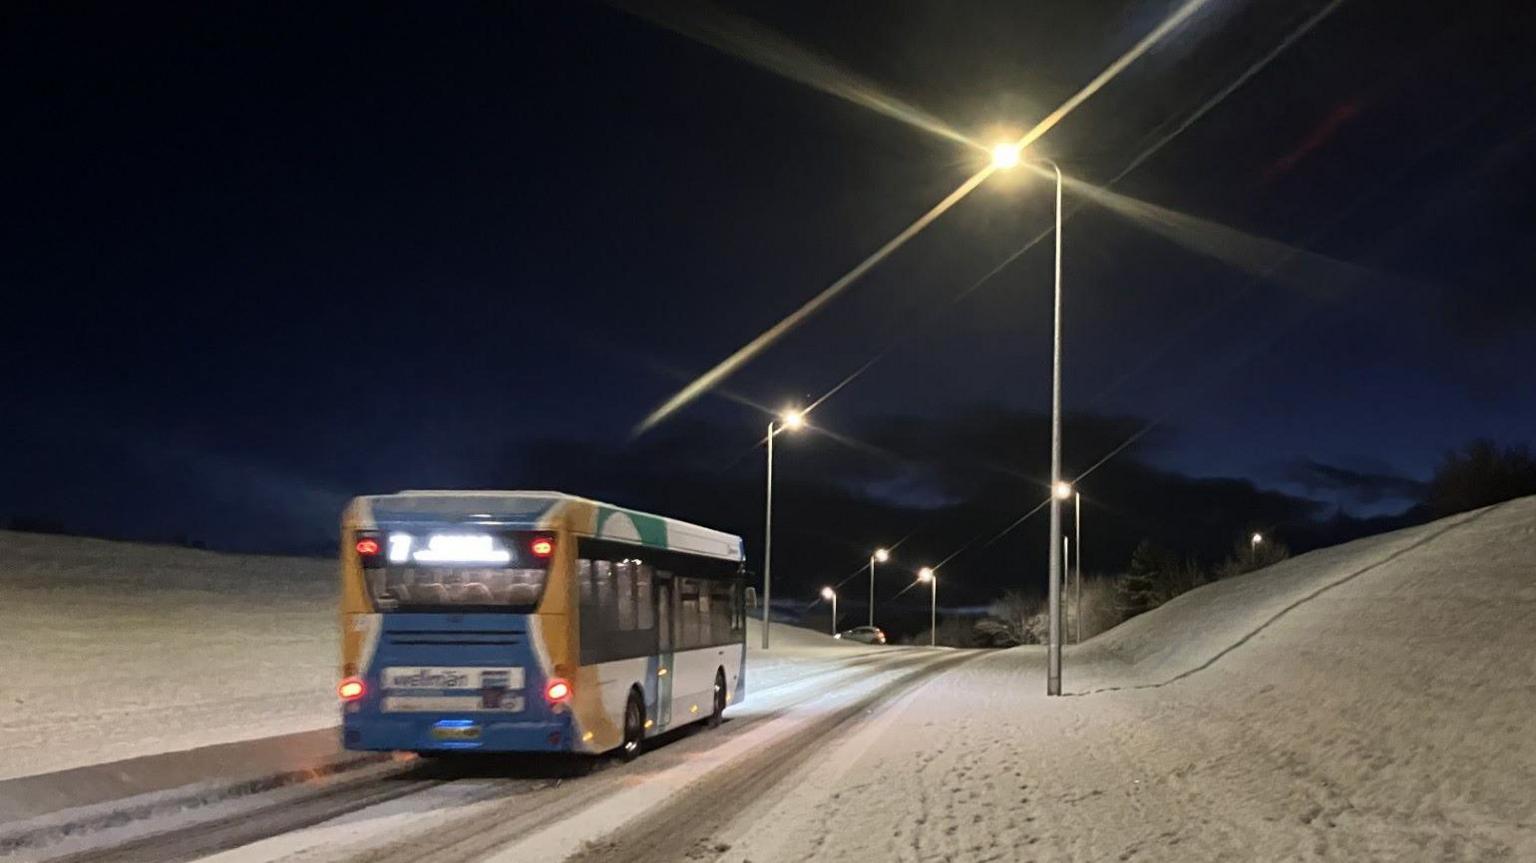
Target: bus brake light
542, 547
557, 692
351, 689
367, 546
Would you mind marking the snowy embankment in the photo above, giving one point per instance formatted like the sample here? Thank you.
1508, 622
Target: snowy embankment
1372, 701
117, 650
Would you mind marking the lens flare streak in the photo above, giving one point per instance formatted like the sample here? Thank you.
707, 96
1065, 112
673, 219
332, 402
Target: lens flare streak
744, 354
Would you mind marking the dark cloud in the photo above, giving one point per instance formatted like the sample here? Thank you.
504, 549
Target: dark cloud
1360, 486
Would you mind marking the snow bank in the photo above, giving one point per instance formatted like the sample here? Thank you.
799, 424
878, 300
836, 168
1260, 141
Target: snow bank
1372, 701
116, 650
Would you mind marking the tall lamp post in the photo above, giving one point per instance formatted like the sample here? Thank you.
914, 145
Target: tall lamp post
1005, 156
880, 556
829, 593
926, 574
789, 420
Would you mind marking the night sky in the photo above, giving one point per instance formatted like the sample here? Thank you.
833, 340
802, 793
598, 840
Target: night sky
258, 258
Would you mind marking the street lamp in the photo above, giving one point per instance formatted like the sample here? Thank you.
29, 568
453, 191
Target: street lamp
1005, 156
1065, 490
829, 593
880, 556
926, 574
789, 420
1256, 540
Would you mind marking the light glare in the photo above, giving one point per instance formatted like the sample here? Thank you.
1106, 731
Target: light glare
1005, 156
1063, 490
925, 574
882, 555
828, 593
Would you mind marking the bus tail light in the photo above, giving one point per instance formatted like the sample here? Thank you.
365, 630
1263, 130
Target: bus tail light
557, 691
542, 547
370, 551
351, 689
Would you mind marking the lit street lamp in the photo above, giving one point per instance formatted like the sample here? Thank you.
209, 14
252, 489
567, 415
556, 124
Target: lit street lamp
829, 593
1005, 156
880, 556
1063, 491
790, 420
926, 574
1257, 539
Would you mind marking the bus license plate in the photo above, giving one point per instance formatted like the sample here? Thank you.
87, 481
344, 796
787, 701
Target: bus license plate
456, 732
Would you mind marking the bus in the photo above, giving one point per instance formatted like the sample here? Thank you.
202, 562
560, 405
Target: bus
529, 621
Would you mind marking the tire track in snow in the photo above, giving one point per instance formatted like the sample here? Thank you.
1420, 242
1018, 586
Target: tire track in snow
683, 827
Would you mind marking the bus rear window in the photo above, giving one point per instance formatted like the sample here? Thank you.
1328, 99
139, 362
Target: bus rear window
460, 569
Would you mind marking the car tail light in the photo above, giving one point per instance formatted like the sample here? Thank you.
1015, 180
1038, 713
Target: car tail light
351, 689
557, 691
542, 546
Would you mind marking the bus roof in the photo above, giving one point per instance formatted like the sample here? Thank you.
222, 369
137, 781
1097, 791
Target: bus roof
545, 510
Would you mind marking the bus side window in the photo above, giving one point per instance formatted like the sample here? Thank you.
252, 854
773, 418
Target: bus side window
645, 603
624, 578
722, 609
688, 614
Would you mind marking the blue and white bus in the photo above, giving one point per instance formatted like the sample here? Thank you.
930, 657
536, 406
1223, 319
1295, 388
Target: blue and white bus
525, 621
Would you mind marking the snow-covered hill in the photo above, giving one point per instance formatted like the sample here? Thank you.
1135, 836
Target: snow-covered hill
1372, 701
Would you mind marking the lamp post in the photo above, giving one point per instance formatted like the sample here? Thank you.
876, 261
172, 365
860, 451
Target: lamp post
926, 574
1063, 491
791, 420
1005, 156
829, 593
880, 556
1077, 563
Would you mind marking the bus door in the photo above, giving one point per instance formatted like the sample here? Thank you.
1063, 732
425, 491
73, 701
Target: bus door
664, 641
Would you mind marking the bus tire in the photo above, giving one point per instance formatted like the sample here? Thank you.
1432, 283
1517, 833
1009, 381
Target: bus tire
634, 727
717, 713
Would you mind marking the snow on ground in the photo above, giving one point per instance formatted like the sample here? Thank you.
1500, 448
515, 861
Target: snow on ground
115, 650
1371, 701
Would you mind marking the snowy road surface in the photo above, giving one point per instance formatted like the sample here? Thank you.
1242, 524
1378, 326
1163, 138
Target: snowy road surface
1371, 701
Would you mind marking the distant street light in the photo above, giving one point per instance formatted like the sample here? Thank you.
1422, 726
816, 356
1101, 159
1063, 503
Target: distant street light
1256, 540
1005, 156
926, 574
1064, 490
790, 420
829, 593
880, 556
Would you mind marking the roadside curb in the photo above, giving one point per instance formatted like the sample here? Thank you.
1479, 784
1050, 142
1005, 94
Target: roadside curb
47, 808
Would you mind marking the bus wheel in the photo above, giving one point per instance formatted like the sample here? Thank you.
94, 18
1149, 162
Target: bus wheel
719, 711
634, 727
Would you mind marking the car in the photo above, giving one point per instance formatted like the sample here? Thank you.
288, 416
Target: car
863, 634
